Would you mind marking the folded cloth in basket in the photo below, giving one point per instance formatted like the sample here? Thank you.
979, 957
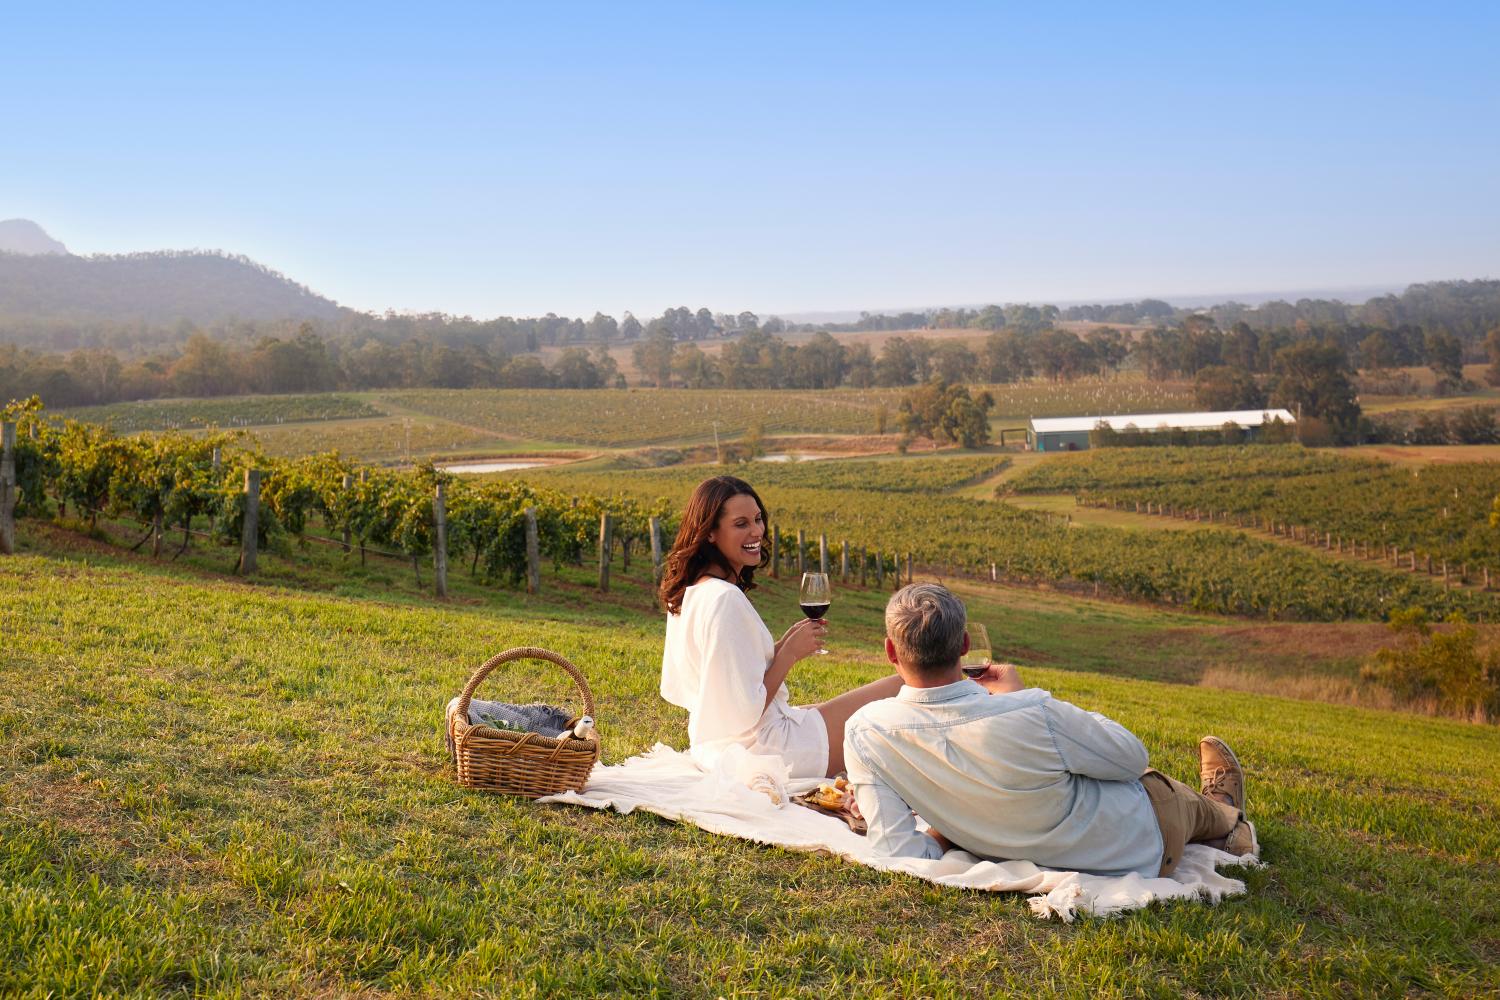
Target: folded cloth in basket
544, 720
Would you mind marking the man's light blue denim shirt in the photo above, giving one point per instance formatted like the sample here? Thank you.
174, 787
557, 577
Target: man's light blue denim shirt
1019, 776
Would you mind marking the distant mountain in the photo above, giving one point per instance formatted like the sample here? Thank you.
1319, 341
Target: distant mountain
149, 289
25, 236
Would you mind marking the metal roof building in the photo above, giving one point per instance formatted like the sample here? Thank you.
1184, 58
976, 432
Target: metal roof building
1072, 433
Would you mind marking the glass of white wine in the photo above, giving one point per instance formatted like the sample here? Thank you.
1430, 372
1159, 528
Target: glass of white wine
815, 598
977, 660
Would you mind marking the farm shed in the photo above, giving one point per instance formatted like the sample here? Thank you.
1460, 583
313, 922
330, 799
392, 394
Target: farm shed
1074, 433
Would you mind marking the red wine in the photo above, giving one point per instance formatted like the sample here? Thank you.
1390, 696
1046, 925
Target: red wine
815, 610
974, 671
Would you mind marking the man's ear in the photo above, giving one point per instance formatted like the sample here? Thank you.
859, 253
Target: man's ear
890, 651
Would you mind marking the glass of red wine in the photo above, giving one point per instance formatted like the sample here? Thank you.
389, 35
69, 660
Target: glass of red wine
977, 660
815, 598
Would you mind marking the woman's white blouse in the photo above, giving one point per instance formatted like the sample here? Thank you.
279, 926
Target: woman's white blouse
714, 665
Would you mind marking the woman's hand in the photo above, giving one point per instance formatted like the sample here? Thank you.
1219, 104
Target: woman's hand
803, 639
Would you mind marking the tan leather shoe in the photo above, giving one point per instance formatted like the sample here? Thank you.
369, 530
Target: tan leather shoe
1219, 772
1242, 841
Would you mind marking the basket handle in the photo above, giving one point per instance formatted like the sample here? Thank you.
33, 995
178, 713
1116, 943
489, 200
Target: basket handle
461, 711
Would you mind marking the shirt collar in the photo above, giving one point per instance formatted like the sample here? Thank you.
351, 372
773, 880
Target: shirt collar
936, 695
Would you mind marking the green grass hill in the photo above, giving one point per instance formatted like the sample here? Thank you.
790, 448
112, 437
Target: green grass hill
217, 787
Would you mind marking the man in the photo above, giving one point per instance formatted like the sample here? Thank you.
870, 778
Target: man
1015, 774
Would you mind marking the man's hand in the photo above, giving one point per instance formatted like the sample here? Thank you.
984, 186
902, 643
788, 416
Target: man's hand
942, 841
1001, 678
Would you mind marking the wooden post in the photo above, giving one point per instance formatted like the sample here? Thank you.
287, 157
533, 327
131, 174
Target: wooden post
251, 522
656, 554
801, 552
1486, 578
8, 491
156, 535
533, 554
895, 571
994, 575
843, 560
775, 551
606, 534
218, 460
348, 485
879, 571
908, 567
364, 477
864, 567
822, 553
440, 540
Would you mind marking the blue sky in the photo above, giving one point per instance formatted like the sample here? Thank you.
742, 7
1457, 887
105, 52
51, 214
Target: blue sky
522, 158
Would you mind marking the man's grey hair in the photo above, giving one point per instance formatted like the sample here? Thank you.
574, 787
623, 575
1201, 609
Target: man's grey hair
926, 624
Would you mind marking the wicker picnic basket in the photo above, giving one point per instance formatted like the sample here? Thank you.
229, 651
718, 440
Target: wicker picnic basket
528, 764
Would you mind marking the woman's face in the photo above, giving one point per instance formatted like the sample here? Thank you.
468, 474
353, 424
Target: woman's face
739, 532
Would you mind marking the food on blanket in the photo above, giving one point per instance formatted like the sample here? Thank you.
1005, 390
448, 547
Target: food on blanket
831, 794
768, 786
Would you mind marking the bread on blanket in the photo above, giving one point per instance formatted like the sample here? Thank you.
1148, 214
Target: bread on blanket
830, 794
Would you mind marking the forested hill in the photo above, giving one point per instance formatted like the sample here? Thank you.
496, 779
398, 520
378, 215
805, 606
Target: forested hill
41, 292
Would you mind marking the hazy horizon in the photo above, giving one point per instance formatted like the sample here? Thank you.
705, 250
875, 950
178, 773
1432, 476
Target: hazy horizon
784, 160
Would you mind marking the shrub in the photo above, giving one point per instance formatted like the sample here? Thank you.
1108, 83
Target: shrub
1447, 667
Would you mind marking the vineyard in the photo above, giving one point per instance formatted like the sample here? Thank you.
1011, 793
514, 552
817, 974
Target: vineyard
1441, 511
448, 420
1212, 570
376, 439
613, 418
196, 483
883, 508
234, 411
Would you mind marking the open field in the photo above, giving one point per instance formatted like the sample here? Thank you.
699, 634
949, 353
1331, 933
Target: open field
1425, 381
1426, 454
193, 808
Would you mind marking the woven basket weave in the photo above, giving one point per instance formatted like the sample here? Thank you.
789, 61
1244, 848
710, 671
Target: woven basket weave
528, 764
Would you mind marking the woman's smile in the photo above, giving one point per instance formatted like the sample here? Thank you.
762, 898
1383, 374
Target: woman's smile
740, 532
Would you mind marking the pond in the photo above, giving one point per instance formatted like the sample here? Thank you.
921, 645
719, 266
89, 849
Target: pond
474, 468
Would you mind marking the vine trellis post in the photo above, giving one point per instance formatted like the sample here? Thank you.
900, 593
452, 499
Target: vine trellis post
440, 540
251, 522
8, 489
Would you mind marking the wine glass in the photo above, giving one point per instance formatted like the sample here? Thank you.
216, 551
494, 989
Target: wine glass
977, 660
815, 598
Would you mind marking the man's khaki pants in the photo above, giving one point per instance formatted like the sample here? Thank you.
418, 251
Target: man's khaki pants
1185, 815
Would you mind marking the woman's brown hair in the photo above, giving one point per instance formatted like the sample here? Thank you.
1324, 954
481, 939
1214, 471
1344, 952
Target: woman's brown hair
692, 553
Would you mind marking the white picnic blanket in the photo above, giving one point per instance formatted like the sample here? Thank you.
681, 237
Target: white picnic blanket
669, 784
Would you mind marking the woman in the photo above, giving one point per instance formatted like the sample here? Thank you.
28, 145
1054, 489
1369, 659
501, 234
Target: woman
720, 662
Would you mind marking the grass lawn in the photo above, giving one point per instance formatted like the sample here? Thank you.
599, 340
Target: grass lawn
214, 787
